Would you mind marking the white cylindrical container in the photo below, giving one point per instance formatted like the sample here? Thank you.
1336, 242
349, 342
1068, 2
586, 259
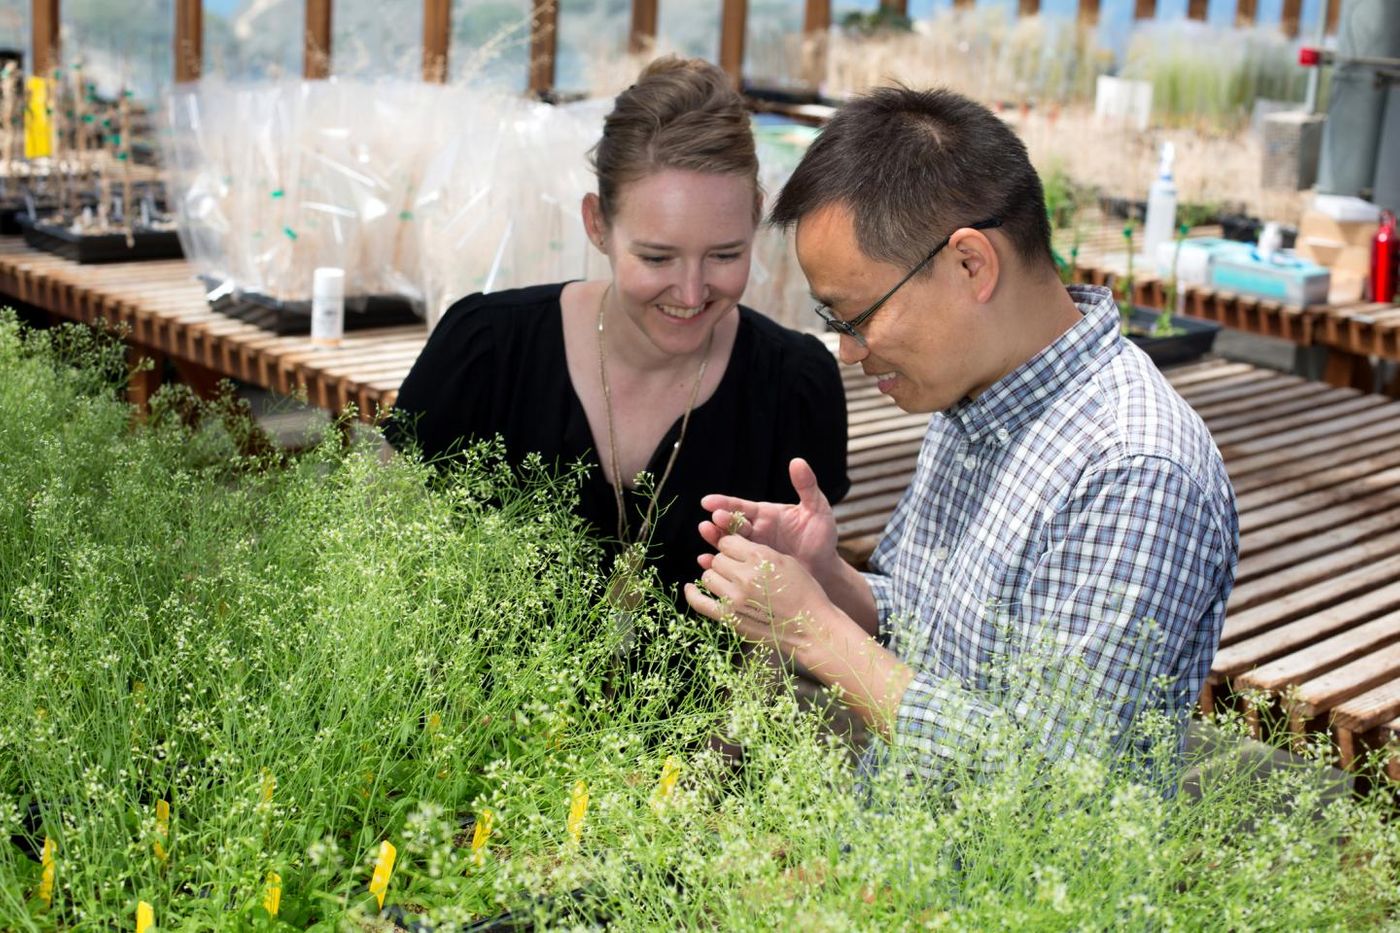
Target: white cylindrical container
327, 306
1270, 241
1160, 224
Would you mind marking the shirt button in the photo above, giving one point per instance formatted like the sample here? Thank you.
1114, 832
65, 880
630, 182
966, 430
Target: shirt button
969, 462
941, 554
1003, 435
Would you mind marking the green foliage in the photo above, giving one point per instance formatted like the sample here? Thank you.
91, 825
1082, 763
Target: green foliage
307, 657
877, 21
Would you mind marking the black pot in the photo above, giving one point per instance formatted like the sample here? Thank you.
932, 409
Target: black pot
1195, 340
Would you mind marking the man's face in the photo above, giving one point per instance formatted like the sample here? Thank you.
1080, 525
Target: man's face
925, 344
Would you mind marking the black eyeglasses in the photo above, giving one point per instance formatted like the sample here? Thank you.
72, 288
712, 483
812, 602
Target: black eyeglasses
849, 327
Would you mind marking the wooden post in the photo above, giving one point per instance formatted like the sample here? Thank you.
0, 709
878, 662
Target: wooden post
437, 34
734, 21
895, 6
1246, 11
1196, 9
544, 45
1291, 21
1089, 12
44, 35
316, 50
1144, 9
1028, 8
643, 34
816, 34
189, 40
1334, 10
966, 4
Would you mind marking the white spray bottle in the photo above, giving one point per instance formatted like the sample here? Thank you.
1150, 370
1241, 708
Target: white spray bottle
1160, 224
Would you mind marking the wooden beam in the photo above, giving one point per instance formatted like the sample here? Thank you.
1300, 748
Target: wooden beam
1334, 10
1145, 9
1089, 12
1028, 8
44, 36
816, 34
1291, 21
643, 34
734, 21
1196, 9
1246, 12
316, 50
544, 45
189, 40
437, 35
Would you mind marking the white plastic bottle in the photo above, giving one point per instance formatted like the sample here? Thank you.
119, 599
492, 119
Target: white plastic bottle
327, 306
1160, 225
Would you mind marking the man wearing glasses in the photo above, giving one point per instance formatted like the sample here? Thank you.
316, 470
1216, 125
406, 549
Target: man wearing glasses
1064, 495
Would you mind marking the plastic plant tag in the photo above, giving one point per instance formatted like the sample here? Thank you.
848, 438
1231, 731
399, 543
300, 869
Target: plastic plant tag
578, 809
162, 829
272, 896
383, 869
670, 773
481, 836
145, 917
46, 880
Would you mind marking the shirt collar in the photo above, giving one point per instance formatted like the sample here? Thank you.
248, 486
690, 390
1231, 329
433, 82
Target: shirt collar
1024, 392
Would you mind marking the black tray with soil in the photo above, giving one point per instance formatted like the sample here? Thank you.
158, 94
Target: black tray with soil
293, 318
1193, 339
145, 243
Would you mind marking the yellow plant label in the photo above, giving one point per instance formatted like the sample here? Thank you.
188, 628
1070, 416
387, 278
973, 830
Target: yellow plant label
578, 809
269, 786
272, 898
46, 879
162, 829
670, 773
481, 836
145, 917
38, 131
383, 869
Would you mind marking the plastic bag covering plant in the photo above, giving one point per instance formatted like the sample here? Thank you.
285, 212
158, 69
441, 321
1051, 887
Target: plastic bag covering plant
427, 191
306, 660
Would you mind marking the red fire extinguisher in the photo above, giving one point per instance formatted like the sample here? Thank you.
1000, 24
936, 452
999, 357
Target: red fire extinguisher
1385, 259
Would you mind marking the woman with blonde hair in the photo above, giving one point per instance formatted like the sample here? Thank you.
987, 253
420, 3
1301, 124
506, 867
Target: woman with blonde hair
658, 370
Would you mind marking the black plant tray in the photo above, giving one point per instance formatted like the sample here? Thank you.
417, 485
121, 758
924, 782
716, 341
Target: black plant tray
293, 318
100, 247
1195, 342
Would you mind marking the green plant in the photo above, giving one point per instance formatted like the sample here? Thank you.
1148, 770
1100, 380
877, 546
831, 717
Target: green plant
1163, 326
306, 657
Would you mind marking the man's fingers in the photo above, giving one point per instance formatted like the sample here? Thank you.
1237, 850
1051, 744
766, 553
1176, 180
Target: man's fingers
804, 482
714, 502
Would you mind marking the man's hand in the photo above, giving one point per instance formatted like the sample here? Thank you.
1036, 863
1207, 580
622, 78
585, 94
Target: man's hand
806, 531
769, 598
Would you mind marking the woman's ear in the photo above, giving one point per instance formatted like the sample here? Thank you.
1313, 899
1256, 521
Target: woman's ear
594, 224
978, 261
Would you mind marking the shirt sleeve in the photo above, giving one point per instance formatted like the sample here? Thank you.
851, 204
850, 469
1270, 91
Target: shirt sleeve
439, 405
1121, 614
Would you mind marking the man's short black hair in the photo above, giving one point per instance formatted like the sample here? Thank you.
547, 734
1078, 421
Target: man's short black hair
912, 167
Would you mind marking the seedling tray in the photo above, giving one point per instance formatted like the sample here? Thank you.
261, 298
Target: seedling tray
100, 247
1195, 341
293, 318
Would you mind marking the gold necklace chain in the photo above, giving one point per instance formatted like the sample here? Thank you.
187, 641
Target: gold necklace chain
622, 522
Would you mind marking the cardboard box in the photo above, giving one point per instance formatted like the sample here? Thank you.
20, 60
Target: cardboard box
1344, 245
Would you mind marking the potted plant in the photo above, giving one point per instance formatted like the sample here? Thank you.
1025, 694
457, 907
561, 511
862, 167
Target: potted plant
1166, 335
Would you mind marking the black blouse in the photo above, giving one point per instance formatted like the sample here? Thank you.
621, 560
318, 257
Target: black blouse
495, 365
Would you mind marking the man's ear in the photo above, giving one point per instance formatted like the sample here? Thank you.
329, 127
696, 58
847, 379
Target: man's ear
594, 224
978, 262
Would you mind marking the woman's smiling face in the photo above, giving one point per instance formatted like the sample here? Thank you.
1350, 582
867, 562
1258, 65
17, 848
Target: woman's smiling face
680, 244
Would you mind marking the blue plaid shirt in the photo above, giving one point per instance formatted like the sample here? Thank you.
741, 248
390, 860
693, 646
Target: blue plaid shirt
1062, 557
